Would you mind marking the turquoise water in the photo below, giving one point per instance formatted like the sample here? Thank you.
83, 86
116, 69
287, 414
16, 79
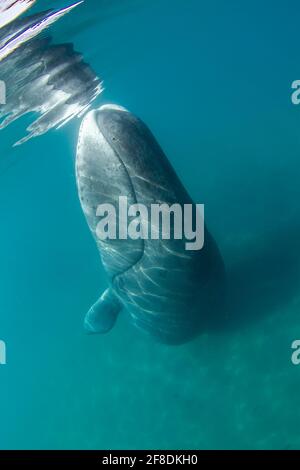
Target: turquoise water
213, 82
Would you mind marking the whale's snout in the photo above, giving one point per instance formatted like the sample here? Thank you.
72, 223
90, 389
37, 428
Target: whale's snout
110, 126
118, 126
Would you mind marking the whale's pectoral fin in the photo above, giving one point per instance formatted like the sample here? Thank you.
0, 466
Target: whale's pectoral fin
103, 314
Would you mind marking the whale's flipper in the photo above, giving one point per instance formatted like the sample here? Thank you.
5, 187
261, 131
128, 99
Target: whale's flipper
103, 314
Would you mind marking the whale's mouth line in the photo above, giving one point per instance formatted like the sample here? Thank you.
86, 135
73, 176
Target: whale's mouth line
118, 156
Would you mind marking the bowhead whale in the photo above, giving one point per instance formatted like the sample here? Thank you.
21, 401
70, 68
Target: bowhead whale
168, 292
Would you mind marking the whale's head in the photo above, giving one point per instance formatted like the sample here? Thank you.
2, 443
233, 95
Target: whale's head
117, 157
109, 120
105, 158
118, 131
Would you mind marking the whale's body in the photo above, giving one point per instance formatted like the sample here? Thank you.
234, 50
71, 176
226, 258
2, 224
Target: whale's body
167, 291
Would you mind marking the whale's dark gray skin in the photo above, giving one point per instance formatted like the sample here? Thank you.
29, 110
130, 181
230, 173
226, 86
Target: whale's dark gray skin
170, 293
